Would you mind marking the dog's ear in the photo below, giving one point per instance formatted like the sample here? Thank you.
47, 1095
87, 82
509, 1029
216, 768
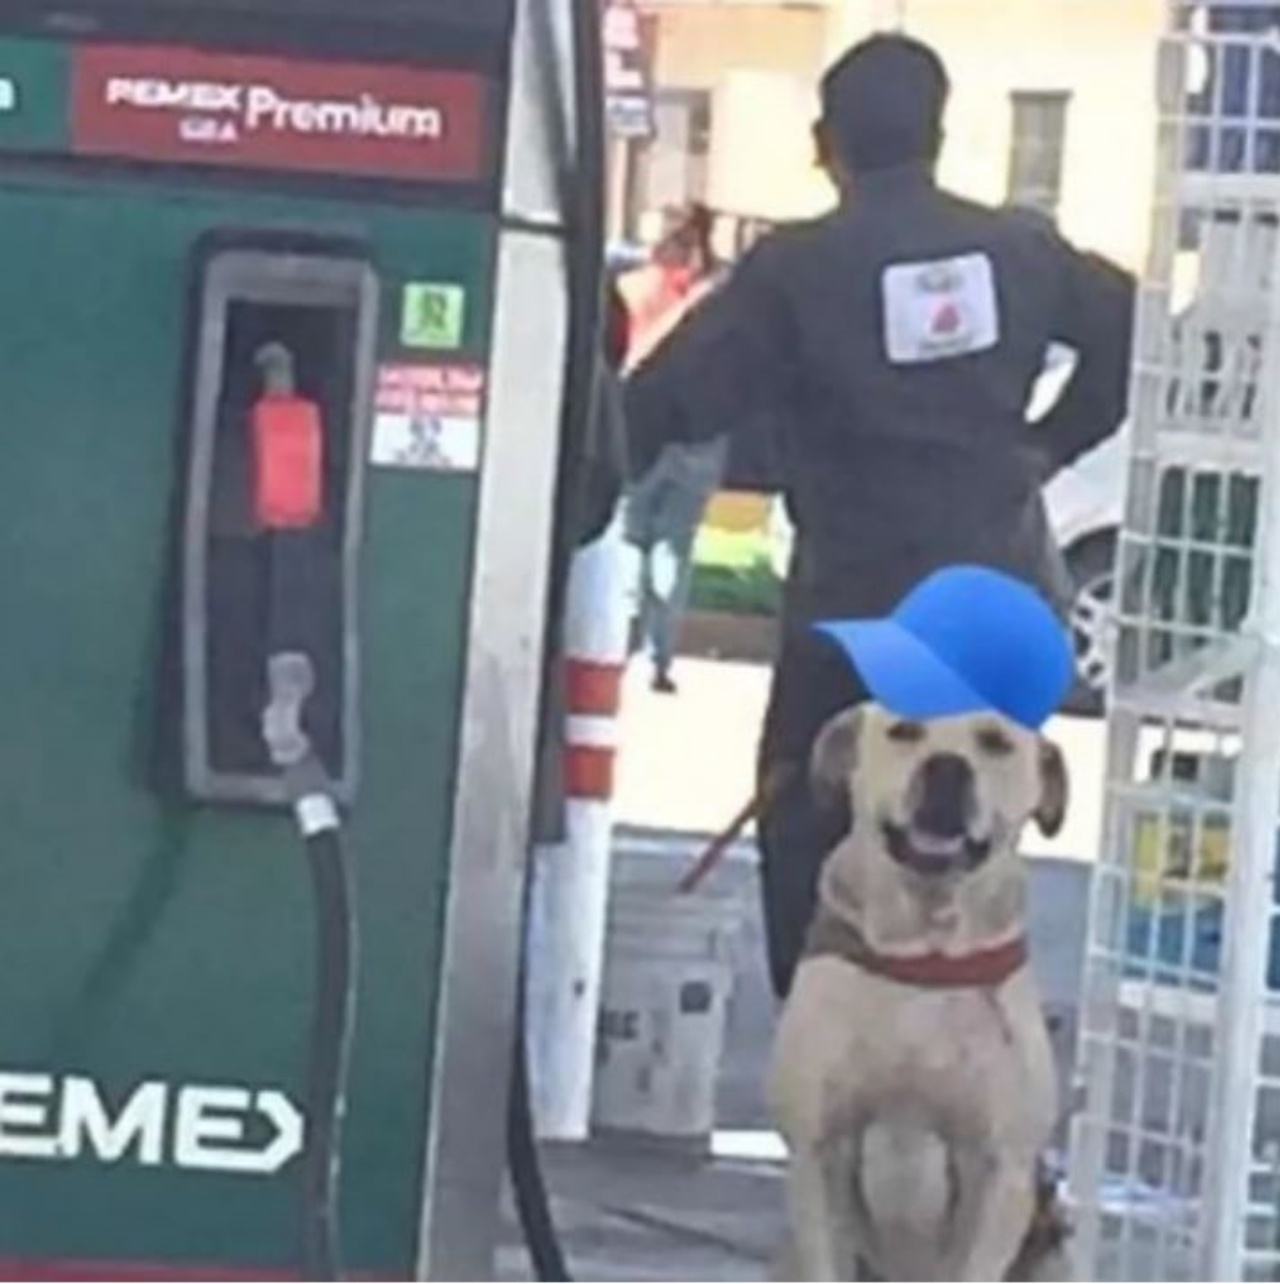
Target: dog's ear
1051, 810
835, 755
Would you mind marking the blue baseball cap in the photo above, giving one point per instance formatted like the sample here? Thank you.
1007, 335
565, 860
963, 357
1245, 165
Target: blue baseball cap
965, 639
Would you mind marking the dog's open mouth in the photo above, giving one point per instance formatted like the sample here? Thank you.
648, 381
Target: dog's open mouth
933, 854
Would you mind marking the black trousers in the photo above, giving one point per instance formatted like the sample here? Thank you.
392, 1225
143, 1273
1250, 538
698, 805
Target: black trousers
812, 682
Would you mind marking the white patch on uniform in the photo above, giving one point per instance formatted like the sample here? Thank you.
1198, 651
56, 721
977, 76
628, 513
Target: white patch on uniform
940, 310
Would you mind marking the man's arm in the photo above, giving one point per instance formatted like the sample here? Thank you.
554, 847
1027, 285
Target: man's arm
721, 369
1097, 322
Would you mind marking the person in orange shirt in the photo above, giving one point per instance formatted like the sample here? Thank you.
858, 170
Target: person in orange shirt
680, 272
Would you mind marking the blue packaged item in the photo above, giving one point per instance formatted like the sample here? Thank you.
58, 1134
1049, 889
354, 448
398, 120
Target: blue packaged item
1175, 923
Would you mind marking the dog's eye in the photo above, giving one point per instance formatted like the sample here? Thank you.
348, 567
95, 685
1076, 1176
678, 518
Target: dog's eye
993, 741
907, 733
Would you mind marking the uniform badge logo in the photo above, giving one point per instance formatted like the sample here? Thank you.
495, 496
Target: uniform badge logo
940, 310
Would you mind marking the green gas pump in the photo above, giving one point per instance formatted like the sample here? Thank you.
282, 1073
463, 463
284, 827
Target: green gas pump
288, 333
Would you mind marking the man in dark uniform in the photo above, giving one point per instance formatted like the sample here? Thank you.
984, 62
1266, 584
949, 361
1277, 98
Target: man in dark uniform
894, 344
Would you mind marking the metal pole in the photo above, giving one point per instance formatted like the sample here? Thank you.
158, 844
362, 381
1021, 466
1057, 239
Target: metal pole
1246, 933
571, 881
1100, 1007
1250, 893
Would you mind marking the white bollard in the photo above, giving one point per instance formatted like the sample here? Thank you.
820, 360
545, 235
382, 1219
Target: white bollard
571, 882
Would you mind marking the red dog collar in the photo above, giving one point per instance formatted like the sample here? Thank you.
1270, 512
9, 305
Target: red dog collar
981, 969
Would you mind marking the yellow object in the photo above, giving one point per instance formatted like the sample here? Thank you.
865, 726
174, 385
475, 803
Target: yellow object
1158, 863
739, 512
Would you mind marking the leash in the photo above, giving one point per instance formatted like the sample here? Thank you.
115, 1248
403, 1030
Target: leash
714, 852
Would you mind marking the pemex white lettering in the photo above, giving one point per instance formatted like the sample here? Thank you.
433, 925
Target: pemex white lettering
210, 1128
210, 1124
182, 95
262, 107
360, 117
86, 1125
26, 1107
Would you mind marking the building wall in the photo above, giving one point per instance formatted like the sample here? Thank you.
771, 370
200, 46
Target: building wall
759, 63
762, 158
697, 43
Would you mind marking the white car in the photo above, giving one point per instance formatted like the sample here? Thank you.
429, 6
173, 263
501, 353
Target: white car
1085, 505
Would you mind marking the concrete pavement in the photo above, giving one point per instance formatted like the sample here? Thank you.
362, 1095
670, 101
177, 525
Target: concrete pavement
635, 1214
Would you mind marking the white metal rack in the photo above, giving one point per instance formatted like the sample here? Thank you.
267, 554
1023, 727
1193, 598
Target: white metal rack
1175, 1164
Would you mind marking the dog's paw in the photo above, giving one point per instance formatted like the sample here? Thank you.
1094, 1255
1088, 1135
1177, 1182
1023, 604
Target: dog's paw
1045, 1254
1054, 1267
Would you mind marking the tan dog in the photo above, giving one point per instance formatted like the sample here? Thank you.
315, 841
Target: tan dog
913, 1078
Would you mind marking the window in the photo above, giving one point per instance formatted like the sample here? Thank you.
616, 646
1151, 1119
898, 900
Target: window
1036, 148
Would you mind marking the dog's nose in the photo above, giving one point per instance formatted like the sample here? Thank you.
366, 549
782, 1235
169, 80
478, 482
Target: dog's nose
945, 798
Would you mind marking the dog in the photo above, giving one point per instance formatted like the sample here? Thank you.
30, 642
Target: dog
913, 1077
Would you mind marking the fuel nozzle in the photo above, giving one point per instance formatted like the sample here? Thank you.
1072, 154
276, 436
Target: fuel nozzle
291, 679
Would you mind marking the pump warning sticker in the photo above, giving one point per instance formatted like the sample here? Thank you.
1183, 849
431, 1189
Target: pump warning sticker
433, 315
184, 105
428, 417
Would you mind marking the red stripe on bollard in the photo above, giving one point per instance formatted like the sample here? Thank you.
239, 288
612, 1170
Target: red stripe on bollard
588, 772
593, 687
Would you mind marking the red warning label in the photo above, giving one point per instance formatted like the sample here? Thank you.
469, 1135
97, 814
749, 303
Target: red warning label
446, 391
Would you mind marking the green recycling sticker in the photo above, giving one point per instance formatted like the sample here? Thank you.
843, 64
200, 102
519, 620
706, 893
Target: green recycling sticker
433, 315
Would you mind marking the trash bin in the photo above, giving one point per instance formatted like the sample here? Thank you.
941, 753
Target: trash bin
668, 978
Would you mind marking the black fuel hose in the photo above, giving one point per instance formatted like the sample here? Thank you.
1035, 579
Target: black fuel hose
291, 685
529, 1187
332, 1030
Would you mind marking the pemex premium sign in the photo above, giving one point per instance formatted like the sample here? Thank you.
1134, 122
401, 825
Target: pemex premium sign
197, 107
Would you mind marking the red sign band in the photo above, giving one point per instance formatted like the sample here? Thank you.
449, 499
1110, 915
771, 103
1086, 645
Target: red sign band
195, 107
